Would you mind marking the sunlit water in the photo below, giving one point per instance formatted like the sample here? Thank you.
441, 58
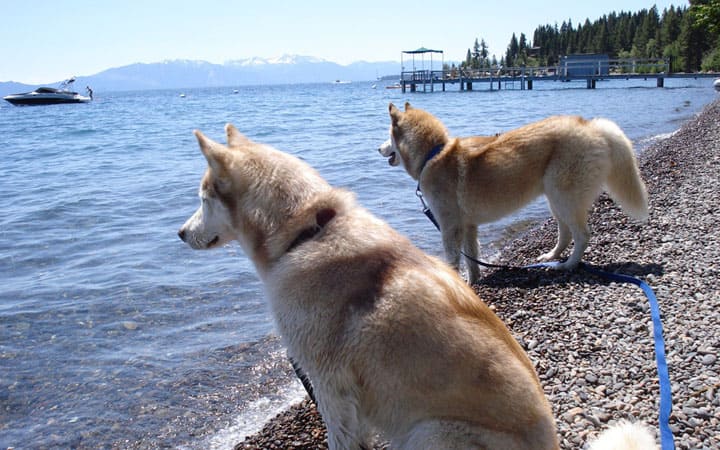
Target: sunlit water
115, 333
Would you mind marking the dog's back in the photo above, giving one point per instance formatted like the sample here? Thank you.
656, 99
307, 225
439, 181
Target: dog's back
409, 335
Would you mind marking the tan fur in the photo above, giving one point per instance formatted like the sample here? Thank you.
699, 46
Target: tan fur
392, 339
481, 179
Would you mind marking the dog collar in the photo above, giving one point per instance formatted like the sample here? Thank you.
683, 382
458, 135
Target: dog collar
322, 218
433, 153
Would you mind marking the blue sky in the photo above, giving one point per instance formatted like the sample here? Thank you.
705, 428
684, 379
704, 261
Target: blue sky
44, 41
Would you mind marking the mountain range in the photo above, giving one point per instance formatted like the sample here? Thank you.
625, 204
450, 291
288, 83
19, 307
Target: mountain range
184, 74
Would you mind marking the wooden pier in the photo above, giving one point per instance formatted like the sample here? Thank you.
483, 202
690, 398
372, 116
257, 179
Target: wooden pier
526, 77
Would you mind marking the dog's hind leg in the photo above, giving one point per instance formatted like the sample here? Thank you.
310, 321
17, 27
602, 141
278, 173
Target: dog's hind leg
448, 435
470, 248
563, 240
581, 236
571, 223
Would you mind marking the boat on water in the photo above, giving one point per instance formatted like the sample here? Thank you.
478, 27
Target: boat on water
50, 96
716, 84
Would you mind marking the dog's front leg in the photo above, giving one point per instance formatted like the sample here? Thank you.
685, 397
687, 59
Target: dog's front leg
470, 246
341, 438
345, 428
452, 236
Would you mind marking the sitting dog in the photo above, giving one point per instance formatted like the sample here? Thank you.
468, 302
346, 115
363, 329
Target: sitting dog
474, 180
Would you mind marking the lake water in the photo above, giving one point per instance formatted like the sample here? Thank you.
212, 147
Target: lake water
113, 333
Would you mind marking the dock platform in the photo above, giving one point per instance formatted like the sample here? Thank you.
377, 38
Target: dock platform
526, 77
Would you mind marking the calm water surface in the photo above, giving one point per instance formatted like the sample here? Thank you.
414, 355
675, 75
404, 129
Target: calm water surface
113, 333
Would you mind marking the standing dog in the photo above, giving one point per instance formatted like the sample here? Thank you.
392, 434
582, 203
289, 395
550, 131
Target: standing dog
392, 339
474, 180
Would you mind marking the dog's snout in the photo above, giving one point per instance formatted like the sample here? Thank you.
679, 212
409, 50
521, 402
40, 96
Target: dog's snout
181, 234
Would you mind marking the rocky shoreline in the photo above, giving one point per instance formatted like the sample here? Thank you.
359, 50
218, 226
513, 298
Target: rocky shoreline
590, 339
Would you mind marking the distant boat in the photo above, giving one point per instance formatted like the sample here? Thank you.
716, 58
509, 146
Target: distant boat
393, 86
716, 84
50, 96
341, 82
235, 91
182, 95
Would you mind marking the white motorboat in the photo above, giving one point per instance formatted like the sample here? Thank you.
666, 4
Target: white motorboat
50, 96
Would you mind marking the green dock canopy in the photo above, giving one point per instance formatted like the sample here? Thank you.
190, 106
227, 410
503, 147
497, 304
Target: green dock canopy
422, 50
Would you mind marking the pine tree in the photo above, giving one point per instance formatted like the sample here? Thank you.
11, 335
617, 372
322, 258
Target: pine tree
476, 55
484, 54
705, 16
512, 51
688, 37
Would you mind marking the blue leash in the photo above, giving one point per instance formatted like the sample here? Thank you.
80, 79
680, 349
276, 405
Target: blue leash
666, 437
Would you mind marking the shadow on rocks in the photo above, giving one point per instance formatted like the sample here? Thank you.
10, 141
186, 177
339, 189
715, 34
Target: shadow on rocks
538, 277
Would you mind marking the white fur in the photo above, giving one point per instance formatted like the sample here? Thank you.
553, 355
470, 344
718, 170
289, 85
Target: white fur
208, 227
625, 436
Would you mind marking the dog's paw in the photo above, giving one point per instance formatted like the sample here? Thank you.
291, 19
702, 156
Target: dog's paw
565, 265
549, 256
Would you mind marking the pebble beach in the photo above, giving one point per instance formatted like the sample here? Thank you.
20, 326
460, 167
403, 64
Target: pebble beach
590, 339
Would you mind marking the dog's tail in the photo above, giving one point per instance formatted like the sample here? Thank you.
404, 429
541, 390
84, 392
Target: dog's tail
625, 436
624, 183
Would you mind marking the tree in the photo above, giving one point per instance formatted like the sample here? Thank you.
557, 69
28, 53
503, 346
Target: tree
688, 37
711, 62
476, 55
693, 44
484, 54
670, 26
601, 42
522, 49
706, 15
512, 51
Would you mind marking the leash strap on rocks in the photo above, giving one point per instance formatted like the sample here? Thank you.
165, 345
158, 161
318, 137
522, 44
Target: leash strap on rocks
302, 376
666, 437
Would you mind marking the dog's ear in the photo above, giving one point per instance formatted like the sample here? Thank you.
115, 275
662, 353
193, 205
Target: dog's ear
408, 107
216, 154
394, 113
234, 137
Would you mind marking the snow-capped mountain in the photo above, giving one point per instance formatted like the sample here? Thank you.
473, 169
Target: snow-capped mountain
181, 74
283, 59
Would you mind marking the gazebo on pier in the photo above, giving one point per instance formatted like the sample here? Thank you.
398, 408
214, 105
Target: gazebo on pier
421, 75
